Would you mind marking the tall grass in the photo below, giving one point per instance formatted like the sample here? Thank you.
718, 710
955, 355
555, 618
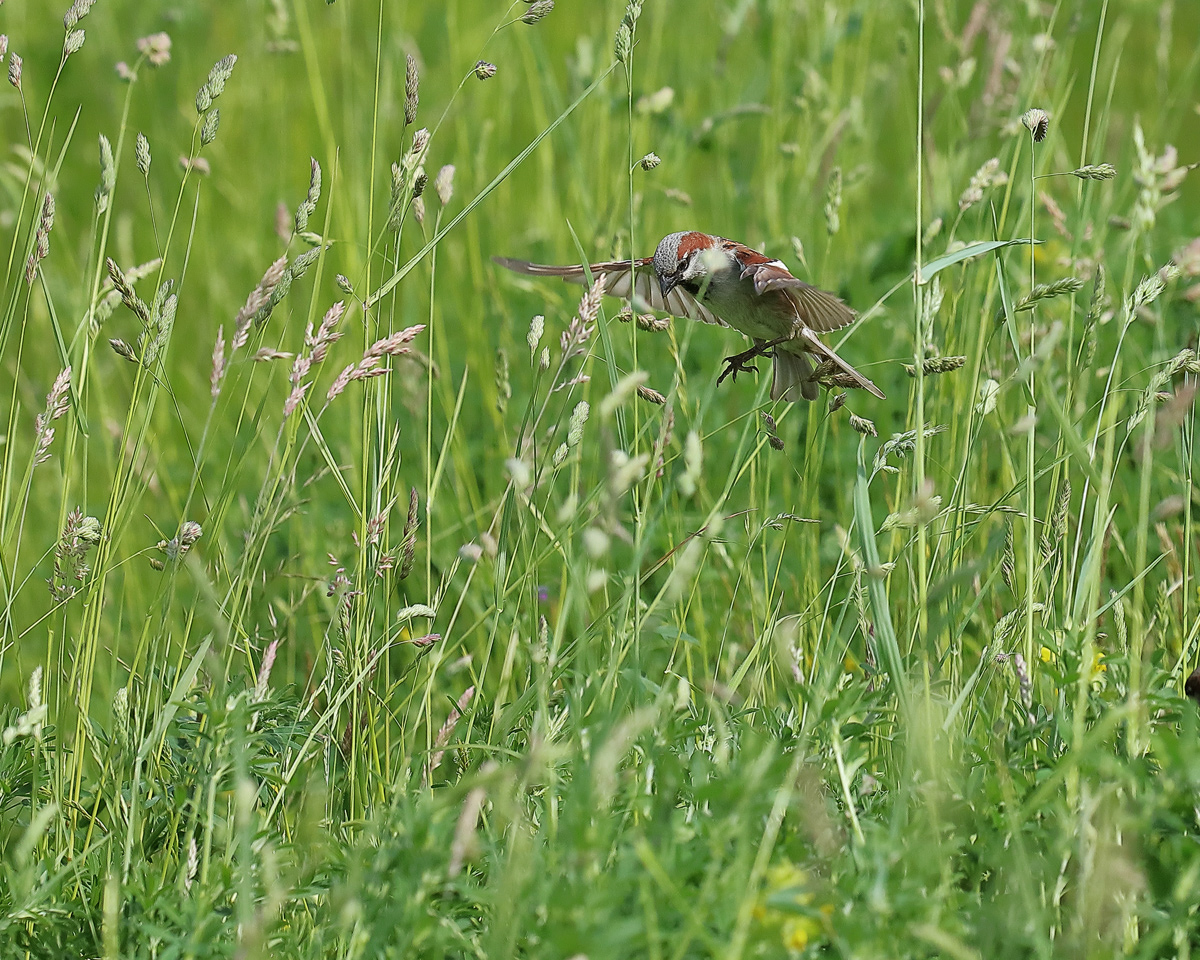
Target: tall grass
360, 599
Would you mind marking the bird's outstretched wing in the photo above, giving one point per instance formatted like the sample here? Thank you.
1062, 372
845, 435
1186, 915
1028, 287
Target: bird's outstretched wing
629, 279
820, 311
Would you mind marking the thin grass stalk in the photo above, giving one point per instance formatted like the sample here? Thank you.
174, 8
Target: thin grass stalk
922, 612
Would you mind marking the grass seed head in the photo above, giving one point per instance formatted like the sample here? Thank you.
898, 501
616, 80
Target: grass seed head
73, 43
650, 395
141, 155
412, 81
208, 129
14, 71
862, 425
1037, 122
936, 365
443, 184
484, 70
1095, 171
537, 11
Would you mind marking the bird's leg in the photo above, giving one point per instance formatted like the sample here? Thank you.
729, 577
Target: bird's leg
740, 362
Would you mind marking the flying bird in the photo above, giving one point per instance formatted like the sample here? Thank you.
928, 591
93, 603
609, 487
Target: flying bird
729, 284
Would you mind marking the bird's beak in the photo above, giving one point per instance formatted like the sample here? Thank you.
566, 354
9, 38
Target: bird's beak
667, 284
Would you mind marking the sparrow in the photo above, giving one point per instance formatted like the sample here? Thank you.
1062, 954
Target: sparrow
729, 284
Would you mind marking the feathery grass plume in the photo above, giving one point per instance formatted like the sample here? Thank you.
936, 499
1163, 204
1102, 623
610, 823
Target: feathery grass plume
1008, 557
394, 344
79, 535
412, 82
309, 204
178, 546
57, 403
652, 323
833, 202
649, 161
1095, 171
443, 184
693, 465
29, 723
577, 334
408, 543
650, 395
443, 735
936, 365
624, 471
1149, 289
503, 385
123, 349
623, 42
258, 299
1055, 534
621, 392
76, 12
129, 296
208, 129
73, 43
537, 11
41, 243
537, 326
862, 425
120, 713
987, 176
3, 45
218, 363
156, 48
1037, 122
262, 690
219, 75
900, 445
162, 321
1185, 360
14, 70
327, 333
141, 155
484, 70
1044, 291
1087, 352
579, 417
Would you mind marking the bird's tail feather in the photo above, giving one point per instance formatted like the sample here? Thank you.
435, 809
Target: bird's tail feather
827, 353
792, 377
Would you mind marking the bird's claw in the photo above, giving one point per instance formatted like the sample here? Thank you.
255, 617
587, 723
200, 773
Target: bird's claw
739, 363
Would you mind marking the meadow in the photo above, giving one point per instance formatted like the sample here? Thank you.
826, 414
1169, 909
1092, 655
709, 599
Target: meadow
363, 599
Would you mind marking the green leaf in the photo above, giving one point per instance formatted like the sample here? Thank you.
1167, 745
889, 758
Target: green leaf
976, 249
885, 632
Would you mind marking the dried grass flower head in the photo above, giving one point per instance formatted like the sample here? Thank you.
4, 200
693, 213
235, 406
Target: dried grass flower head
1037, 122
485, 70
156, 48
